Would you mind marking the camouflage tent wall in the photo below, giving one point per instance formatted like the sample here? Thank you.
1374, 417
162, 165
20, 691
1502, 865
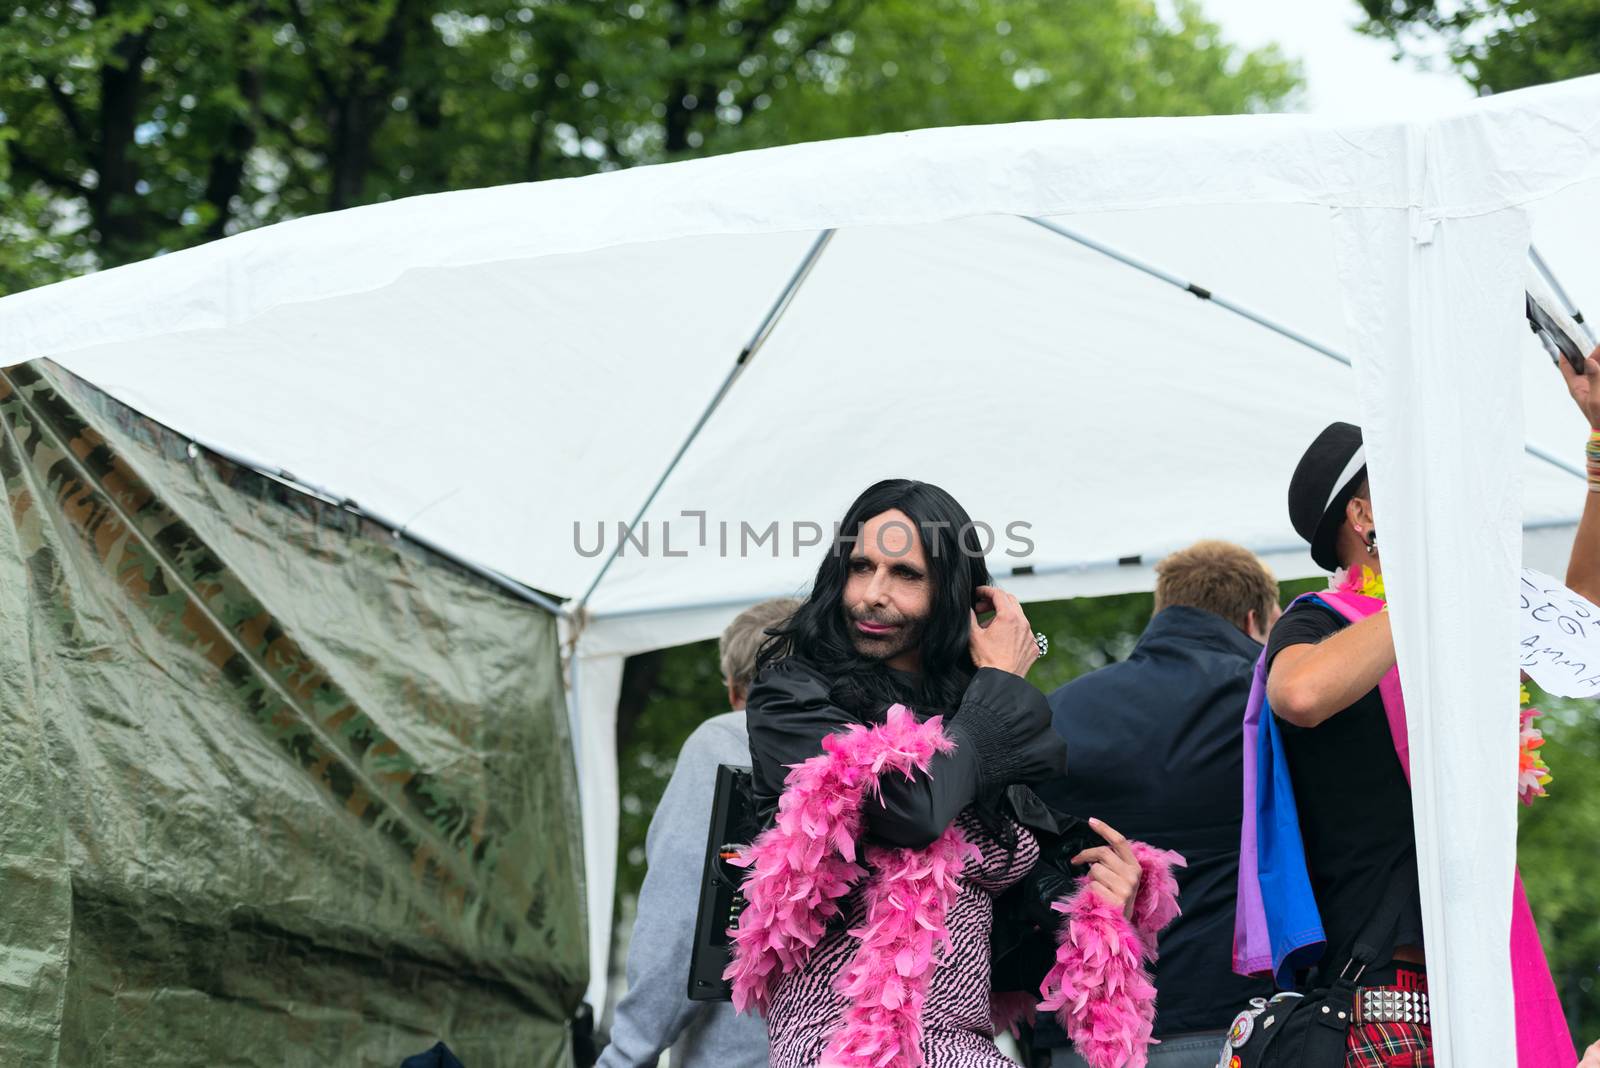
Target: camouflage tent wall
280, 788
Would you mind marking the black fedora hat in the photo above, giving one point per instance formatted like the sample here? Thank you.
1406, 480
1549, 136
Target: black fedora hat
1329, 473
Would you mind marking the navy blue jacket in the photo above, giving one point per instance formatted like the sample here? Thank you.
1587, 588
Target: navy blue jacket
1156, 746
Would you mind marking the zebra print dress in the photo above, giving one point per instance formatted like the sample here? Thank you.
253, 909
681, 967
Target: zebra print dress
957, 1031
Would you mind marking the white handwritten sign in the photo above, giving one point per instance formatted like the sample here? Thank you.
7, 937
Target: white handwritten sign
1560, 637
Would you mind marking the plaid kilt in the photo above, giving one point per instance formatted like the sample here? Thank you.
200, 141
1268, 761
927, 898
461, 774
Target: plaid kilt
1390, 1045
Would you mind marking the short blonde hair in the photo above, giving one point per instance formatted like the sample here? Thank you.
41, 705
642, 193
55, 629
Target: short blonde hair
743, 638
1219, 577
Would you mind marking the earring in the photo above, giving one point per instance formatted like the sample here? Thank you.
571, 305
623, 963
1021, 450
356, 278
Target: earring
1372, 542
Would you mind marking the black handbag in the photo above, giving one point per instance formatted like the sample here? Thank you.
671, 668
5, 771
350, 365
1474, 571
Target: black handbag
1312, 1030
733, 826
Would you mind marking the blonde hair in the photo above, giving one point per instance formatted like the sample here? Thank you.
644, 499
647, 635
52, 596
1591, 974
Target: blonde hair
1219, 577
742, 640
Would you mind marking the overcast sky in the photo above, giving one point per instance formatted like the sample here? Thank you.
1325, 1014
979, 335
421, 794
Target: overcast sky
1346, 73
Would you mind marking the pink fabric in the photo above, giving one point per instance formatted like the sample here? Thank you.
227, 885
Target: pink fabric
1156, 903
957, 1014
1543, 1040
1010, 1009
1356, 607
908, 896
1099, 988
808, 1009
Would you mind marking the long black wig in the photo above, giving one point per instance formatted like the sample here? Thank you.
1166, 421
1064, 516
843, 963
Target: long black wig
818, 633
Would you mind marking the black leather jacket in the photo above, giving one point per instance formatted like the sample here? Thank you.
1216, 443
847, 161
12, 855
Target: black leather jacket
1004, 740
1002, 733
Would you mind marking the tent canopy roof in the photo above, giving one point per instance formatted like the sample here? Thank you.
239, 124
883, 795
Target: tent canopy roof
488, 368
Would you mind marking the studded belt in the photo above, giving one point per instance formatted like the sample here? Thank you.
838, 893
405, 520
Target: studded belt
1388, 1004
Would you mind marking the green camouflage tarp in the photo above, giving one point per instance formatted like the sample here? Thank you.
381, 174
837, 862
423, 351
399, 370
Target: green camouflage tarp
278, 787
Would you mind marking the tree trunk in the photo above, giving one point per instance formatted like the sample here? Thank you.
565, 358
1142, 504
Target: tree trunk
356, 115
639, 675
351, 151
227, 163
112, 204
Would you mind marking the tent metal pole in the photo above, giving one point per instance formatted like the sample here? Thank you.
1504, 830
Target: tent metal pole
1561, 294
1189, 287
1554, 461
1261, 320
758, 339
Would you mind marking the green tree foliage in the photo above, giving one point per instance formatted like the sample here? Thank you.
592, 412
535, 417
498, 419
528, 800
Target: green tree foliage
958, 62
1560, 866
665, 696
133, 127
1497, 44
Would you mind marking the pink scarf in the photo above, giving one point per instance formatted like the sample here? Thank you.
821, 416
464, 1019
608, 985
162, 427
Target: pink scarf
1543, 1040
801, 868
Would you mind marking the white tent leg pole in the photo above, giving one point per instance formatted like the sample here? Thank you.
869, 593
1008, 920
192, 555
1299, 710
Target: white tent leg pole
1278, 328
1431, 302
759, 338
595, 683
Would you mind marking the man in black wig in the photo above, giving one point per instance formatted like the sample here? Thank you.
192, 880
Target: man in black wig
893, 618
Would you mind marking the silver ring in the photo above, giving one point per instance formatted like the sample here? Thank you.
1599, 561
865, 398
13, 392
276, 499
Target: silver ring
1042, 642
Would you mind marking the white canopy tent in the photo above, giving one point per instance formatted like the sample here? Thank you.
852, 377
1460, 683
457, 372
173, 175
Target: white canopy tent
498, 371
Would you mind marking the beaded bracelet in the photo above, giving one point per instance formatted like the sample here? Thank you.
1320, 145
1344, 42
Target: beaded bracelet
1592, 455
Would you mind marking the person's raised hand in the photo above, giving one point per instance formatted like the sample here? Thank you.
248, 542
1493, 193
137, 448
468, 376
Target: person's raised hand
1585, 388
1591, 1056
1114, 870
1006, 641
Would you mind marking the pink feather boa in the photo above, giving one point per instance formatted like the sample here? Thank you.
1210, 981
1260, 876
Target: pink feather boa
800, 869
908, 899
1099, 988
